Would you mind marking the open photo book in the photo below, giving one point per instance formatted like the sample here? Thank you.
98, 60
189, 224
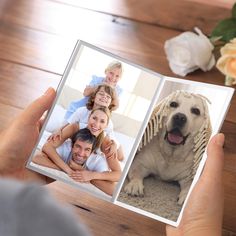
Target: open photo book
127, 134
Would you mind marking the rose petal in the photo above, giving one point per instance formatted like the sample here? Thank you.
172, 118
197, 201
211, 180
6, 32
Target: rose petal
202, 52
179, 70
188, 52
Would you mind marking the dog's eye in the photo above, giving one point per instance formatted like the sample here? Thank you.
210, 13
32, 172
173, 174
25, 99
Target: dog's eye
196, 111
174, 104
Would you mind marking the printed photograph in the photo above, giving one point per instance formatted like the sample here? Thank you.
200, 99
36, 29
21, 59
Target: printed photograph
101, 104
172, 149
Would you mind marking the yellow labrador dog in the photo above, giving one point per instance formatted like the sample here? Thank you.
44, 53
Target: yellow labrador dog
173, 143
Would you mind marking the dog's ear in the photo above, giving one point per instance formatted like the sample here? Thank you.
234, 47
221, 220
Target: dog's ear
154, 124
200, 142
208, 131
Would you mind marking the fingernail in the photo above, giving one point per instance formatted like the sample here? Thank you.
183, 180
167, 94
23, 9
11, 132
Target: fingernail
48, 91
220, 139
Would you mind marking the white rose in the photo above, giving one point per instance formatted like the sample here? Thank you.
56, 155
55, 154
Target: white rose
188, 52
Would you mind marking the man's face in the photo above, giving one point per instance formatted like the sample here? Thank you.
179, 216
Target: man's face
81, 150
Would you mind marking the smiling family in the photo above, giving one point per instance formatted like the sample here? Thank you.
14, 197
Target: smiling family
85, 147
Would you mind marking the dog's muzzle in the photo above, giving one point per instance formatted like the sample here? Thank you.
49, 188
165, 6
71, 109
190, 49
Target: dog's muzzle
175, 136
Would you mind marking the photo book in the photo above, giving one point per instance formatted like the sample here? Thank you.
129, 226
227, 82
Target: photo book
127, 134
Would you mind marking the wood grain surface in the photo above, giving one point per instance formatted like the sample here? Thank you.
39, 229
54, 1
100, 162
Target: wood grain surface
36, 40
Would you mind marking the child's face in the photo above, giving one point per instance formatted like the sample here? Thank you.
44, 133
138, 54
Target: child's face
102, 98
113, 76
81, 150
97, 122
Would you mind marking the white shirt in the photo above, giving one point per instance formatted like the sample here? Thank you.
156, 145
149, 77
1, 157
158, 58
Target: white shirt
97, 162
64, 151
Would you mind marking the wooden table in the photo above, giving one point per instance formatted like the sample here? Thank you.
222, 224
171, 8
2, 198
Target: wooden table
36, 40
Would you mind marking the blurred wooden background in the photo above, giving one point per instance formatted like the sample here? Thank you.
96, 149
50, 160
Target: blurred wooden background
36, 40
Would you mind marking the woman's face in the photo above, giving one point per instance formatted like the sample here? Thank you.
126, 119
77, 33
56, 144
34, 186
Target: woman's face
97, 122
102, 98
113, 76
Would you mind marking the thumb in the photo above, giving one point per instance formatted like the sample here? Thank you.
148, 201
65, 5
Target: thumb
35, 110
215, 157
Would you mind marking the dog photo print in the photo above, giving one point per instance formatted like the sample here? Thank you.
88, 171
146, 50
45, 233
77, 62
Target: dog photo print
171, 155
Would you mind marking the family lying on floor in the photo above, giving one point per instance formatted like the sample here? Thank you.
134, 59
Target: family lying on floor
85, 147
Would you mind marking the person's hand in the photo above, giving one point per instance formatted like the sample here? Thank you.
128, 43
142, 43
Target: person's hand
83, 176
204, 210
69, 171
55, 136
19, 139
109, 148
75, 166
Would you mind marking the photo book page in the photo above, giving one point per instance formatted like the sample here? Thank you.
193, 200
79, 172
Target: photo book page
127, 134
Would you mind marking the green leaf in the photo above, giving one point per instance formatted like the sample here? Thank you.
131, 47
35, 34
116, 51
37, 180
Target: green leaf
214, 39
225, 28
234, 11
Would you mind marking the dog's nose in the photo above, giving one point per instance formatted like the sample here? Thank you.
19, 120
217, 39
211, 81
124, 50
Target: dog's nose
179, 120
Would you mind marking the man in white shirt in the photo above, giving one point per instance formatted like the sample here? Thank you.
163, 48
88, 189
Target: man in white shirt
76, 153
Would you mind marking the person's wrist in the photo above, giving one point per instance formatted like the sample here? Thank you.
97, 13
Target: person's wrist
204, 232
94, 175
114, 144
68, 170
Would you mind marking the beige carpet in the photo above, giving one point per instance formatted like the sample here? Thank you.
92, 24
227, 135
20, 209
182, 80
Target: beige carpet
160, 198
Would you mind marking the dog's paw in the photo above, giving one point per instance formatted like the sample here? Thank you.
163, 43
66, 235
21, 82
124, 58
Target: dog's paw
182, 197
135, 188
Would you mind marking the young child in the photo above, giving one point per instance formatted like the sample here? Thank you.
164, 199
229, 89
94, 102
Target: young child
113, 74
